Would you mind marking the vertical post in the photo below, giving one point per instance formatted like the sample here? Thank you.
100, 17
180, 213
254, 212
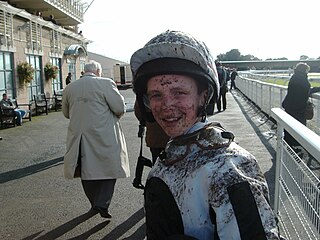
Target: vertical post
279, 155
256, 93
270, 99
261, 96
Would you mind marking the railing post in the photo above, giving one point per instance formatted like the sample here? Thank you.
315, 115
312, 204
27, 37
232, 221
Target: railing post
255, 93
261, 94
279, 155
270, 99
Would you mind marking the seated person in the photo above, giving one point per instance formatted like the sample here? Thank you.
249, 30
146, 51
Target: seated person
6, 103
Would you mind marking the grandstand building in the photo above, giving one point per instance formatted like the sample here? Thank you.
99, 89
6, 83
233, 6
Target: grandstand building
39, 32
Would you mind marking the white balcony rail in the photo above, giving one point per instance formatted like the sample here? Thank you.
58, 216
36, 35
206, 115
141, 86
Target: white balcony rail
74, 8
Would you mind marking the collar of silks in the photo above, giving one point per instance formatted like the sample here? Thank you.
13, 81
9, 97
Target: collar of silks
211, 136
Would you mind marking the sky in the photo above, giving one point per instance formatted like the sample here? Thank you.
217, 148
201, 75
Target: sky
264, 29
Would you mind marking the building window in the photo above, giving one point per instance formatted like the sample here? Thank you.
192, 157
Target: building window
34, 36
5, 29
56, 83
6, 74
55, 42
36, 85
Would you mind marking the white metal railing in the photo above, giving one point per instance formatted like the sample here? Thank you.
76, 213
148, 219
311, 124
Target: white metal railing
268, 75
297, 185
267, 96
297, 188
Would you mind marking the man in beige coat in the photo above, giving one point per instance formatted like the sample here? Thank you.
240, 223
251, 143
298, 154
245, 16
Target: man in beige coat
95, 140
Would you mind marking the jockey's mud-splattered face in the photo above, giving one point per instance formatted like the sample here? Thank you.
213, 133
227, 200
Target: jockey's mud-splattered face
174, 102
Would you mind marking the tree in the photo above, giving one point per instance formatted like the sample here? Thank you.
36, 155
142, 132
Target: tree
282, 58
304, 57
235, 55
222, 57
232, 55
248, 57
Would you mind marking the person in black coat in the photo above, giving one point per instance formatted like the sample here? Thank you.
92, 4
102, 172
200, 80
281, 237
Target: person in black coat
68, 78
295, 102
233, 76
222, 75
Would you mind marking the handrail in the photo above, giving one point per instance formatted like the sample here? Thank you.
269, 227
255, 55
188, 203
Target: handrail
306, 137
297, 192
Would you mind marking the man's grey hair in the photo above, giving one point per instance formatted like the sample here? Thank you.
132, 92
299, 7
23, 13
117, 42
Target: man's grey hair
92, 66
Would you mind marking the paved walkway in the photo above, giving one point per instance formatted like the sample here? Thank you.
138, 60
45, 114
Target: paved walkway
38, 203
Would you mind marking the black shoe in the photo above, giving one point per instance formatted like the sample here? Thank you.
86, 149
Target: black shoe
103, 212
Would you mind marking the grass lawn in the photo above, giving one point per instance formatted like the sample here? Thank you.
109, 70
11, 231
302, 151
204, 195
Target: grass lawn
285, 82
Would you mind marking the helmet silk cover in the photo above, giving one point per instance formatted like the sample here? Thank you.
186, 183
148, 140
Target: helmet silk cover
193, 56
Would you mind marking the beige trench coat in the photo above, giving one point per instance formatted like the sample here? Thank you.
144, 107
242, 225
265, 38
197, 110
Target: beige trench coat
94, 106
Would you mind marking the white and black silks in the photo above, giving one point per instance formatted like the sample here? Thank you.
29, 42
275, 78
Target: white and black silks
207, 187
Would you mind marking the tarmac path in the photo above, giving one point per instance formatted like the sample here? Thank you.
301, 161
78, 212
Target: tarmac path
38, 203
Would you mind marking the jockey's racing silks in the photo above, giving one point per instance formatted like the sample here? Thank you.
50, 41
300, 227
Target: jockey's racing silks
216, 188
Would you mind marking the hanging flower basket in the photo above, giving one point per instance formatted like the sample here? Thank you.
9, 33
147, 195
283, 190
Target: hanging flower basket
25, 72
50, 71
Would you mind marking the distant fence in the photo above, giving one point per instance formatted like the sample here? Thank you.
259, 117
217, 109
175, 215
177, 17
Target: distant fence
267, 75
297, 185
267, 96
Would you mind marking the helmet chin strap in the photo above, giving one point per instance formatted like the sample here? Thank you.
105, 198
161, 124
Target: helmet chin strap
202, 113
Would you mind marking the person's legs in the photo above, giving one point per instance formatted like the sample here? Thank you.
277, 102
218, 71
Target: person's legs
219, 103
224, 99
90, 189
233, 85
22, 112
105, 193
19, 117
99, 193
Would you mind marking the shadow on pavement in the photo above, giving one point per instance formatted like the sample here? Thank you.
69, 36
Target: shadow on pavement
93, 230
23, 172
113, 235
265, 139
121, 229
59, 231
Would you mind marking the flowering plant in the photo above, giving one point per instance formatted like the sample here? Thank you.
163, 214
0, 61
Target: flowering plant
50, 71
25, 72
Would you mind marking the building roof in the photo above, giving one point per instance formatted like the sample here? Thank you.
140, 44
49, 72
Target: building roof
103, 60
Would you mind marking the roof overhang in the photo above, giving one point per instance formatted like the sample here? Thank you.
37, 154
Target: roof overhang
75, 50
